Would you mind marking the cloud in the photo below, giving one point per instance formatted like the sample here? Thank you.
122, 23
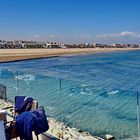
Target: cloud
42, 37
121, 37
82, 36
121, 34
138, 35
36, 36
53, 36
127, 33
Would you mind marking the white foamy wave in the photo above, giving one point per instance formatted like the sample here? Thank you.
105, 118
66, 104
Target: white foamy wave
84, 85
85, 93
27, 77
16, 88
113, 92
50, 108
68, 116
88, 89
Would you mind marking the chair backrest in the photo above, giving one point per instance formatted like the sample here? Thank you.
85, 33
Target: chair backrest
23, 103
34, 105
2, 131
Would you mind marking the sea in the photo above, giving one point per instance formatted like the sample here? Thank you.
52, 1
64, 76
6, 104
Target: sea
97, 93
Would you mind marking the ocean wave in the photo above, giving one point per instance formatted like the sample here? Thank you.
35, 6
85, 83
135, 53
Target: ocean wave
84, 85
49, 108
85, 93
113, 92
27, 77
82, 90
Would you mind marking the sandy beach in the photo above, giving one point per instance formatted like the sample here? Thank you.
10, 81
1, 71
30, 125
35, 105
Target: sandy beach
23, 54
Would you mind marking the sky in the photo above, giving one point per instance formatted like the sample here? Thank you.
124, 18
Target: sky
71, 21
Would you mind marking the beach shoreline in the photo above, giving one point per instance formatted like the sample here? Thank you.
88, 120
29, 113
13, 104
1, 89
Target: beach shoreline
10, 55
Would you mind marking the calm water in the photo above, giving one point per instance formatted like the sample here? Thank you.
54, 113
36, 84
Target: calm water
98, 92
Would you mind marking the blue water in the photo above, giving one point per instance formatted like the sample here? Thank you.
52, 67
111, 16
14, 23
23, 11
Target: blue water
96, 93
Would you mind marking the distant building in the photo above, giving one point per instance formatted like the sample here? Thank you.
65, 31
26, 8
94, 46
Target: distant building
55, 45
117, 45
23, 45
98, 45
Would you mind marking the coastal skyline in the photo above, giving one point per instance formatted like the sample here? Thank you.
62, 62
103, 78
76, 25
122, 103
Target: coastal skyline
81, 21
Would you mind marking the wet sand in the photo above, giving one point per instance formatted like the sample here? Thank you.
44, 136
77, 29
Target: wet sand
7, 55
